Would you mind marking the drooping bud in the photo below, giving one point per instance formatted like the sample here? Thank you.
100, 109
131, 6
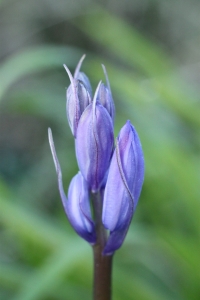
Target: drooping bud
123, 187
78, 209
105, 96
94, 143
77, 206
78, 96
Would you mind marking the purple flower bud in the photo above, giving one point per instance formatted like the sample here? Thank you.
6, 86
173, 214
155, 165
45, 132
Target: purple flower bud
78, 97
77, 206
123, 187
105, 96
78, 209
82, 77
94, 143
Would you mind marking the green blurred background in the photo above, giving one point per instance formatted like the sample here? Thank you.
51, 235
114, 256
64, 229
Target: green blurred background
151, 51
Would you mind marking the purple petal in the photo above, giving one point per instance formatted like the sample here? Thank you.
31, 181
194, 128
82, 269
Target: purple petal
73, 107
115, 200
77, 207
105, 98
117, 236
132, 159
82, 77
94, 144
78, 98
140, 166
123, 187
110, 102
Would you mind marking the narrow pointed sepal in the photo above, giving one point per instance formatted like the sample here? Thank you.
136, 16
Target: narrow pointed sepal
77, 206
94, 144
123, 186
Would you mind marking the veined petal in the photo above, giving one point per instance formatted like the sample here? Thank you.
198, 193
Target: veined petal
94, 144
78, 98
78, 209
105, 96
115, 196
77, 206
72, 105
82, 76
117, 236
123, 187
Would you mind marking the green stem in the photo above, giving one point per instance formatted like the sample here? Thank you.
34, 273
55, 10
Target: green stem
102, 264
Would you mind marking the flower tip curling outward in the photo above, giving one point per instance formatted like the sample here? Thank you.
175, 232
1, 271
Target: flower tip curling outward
77, 207
123, 187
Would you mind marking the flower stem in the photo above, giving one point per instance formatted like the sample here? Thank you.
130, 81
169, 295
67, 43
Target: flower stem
102, 264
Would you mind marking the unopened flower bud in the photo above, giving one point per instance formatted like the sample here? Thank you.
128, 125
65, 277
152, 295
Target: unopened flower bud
94, 143
78, 209
82, 76
105, 96
123, 186
78, 96
77, 206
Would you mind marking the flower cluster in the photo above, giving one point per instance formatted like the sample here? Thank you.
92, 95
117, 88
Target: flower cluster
116, 172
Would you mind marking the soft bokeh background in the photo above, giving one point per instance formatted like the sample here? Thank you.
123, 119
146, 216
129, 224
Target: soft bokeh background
151, 51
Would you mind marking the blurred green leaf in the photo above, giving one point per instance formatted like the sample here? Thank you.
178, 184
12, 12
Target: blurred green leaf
32, 225
41, 259
34, 60
50, 274
125, 42
136, 51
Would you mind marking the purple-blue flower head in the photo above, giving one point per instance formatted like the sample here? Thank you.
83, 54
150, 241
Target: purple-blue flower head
115, 175
94, 143
77, 206
123, 186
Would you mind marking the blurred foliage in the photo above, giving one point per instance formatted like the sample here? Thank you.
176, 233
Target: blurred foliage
151, 52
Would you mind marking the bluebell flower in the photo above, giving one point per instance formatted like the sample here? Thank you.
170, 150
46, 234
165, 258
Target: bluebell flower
94, 143
116, 174
123, 186
77, 205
